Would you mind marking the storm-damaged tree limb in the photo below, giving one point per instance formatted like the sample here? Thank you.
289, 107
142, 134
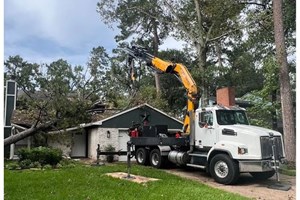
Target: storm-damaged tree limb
28, 132
55, 95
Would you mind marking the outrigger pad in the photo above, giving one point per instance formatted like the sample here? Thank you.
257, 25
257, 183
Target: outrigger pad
280, 186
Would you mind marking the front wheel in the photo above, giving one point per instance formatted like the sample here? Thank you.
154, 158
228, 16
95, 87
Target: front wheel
223, 169
262, 175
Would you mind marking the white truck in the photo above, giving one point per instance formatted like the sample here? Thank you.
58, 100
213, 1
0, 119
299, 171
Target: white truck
216, 138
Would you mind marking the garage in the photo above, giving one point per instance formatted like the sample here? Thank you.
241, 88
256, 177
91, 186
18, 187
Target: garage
123, 139
113, 130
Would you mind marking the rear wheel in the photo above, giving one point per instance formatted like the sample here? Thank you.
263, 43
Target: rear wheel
262, 175
156, 160
223, 169
141, 156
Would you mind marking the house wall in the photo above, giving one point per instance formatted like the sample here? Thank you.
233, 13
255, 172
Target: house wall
61, 141
99, 136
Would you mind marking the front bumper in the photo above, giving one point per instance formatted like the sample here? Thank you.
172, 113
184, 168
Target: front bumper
257, 165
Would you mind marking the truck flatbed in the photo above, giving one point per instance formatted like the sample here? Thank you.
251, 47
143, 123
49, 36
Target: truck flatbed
162, 141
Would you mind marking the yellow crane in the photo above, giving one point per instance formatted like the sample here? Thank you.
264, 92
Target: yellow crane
179, 70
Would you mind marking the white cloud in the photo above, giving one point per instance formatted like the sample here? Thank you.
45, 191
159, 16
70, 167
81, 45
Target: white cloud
72, 26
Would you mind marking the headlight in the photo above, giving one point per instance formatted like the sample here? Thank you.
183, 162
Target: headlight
242, 150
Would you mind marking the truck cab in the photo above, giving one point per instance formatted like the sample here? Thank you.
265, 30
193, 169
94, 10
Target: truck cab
224, 136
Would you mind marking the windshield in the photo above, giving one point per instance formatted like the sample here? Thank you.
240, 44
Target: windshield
230, 117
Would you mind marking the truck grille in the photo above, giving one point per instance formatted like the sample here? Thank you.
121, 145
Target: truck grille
266, 147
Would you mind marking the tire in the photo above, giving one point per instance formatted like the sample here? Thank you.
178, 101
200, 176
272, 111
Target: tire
262, 175
141, 156
156, 160
223, 169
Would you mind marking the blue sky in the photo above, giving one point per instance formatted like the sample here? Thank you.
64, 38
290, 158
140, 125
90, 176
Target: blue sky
43, 31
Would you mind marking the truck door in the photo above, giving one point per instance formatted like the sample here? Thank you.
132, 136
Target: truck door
205, 130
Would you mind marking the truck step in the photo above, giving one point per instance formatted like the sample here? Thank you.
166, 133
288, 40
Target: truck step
196, 166
198, 154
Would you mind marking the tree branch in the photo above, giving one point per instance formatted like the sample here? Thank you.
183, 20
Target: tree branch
199, 17
181, 24
24, 134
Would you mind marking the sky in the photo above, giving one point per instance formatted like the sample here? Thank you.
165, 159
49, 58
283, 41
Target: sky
44, 31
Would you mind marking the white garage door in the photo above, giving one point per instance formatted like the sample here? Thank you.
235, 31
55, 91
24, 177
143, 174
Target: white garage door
123, 139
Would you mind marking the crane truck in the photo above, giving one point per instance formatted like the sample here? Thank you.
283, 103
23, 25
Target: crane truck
216, 138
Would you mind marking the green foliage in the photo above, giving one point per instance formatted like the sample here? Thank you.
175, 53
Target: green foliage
136, 20
12, 166
35, 164
47, 167
57, 91
264, 107
289, 170
43, 155
58, 166
25, 164
109, 148
65, 162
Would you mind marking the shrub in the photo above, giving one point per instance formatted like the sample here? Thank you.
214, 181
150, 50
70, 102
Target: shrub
58, 166
12, 166
66, 162
43, 155
25, 164
23, 153
35, 164
47, 166
110, 148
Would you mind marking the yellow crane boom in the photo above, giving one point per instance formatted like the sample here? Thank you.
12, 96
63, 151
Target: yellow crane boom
180, 71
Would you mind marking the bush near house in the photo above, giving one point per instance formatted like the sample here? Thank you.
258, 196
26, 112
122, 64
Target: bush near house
110, 148
43, 155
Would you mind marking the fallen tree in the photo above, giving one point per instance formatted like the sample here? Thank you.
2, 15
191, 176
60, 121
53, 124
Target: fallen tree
28, 132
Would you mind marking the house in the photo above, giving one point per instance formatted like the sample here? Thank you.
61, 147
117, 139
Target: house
82, 141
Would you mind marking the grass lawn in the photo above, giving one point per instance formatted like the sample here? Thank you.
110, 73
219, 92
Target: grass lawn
84, 182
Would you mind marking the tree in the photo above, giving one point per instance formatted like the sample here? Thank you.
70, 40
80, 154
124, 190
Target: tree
57, 95
265, 107
173, 92
134, 23
199, 23
285, 87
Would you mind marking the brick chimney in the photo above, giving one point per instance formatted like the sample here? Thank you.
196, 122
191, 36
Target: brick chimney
226, 96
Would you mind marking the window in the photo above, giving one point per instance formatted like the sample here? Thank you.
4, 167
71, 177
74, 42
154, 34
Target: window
205, 118
230, 117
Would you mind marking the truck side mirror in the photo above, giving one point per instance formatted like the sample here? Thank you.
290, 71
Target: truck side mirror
202, 124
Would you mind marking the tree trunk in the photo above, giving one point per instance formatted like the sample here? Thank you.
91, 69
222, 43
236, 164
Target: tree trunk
285, 87
202, 51
155, 52
24, 134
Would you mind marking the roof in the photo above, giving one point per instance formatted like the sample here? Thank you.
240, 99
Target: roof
107, 122
23, 118
101, 122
